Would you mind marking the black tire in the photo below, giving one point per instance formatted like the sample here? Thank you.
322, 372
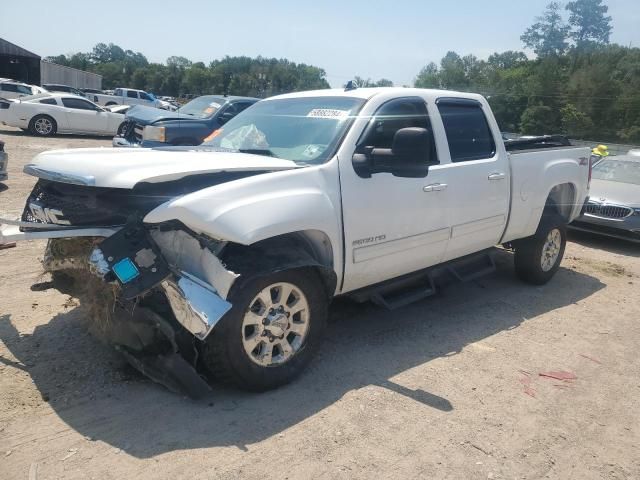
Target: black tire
120, 129
43, 126
529, 251
223, 353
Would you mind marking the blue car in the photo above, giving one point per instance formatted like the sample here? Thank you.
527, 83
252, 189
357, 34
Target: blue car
189, 125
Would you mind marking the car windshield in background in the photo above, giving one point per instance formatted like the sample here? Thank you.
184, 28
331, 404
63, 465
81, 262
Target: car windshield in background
305, 130
202, 107
617, 171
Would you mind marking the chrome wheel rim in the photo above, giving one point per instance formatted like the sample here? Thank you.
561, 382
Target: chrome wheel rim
551, 250
276, 324
43, 126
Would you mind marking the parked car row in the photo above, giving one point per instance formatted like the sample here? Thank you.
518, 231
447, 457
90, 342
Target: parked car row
130, 96
46, 114
189, 125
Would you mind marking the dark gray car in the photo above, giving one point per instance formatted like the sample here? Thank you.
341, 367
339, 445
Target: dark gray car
613, 208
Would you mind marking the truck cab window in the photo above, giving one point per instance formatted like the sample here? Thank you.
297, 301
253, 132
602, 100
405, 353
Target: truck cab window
144, 96
118, 92
393, 116
132, 94
467, 130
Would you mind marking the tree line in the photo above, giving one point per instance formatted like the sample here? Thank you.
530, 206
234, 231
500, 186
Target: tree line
257, 77
578, 84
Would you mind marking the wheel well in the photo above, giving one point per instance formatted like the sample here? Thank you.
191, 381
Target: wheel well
562, 199
53, 120
305, 249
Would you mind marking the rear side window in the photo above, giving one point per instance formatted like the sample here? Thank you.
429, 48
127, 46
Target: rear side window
240, 106
467, 129
118, 92
132, 94
77, 104
49, 101
9, 87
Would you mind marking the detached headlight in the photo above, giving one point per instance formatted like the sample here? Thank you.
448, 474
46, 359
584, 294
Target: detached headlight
156, 134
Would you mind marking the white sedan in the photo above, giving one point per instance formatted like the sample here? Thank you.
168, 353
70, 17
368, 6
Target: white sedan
50, 113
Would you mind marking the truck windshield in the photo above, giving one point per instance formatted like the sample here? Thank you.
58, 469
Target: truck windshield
305, 130
202, 107
617, 171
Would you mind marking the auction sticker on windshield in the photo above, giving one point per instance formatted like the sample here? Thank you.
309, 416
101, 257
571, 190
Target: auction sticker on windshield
328, 113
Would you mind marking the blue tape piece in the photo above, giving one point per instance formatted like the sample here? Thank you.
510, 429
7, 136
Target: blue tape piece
125, 270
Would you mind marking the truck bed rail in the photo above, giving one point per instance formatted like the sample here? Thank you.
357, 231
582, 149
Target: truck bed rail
536, 143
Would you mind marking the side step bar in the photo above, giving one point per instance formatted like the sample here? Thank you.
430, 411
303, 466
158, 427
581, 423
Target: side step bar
402, 291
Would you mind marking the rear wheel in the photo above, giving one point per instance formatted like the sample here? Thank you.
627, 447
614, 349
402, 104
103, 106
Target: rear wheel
538, 258
43, 126
270, 333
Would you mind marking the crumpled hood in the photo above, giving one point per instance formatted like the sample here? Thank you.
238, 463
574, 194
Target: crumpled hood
144, 115
125, 167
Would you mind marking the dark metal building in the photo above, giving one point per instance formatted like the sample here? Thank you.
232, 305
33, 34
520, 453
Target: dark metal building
22, 65
18, 63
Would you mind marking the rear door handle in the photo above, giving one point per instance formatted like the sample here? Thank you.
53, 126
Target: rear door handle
435, 187
497, 176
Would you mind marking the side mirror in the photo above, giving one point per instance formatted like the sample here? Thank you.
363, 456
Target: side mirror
409, 156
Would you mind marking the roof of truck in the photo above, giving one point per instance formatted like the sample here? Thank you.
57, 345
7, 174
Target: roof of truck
367, 93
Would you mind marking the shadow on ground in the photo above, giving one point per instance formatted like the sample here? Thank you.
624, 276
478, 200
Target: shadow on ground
22, 133
364, 346
608, 244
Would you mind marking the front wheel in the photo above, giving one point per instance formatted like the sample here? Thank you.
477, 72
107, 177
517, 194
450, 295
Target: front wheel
271, 331
538, 258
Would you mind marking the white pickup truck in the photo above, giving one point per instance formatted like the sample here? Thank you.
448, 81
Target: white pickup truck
129, 96
234, 249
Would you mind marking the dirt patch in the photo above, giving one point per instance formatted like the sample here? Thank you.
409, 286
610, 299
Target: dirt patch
602, 266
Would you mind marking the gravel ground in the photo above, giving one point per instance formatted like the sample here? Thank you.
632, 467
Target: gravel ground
449, 387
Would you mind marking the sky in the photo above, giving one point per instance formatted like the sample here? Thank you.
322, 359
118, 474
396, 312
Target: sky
371, 39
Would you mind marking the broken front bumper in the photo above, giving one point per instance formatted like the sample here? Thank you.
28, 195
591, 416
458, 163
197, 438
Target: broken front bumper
139, 262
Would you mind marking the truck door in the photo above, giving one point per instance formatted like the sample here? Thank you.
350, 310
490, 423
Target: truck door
478, 189
132, 98
393, 225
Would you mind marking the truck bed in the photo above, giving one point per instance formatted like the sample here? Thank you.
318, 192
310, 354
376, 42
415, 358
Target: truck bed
531, 184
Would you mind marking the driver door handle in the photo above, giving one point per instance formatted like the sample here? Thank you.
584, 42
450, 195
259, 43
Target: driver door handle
497, 176
435, 187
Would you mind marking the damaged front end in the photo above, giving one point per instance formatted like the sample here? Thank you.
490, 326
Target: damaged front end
155, 292
152, 292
